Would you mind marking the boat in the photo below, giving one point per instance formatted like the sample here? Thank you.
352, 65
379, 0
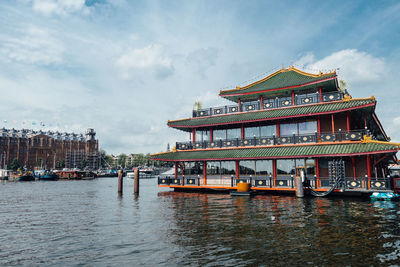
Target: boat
76, 175
48, 176
130, 175
24, 178
4, 174
286, 127
384, 196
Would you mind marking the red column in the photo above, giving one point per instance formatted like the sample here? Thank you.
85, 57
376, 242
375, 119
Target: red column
274, 169
320, 94
205, 172
333, 123
317, 171
237, 169
348, 120
319, 128
369, 173
242, 131
261, 102
293, 98
240, 105
211, 134
278, 129
194, 135
353, 161
176, 169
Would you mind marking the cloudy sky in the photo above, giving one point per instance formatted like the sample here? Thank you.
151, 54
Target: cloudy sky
125, 67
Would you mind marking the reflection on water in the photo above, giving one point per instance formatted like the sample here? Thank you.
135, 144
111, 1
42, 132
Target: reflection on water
86, 222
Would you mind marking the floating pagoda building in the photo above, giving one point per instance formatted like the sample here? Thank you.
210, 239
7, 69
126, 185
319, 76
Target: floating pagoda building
287, 124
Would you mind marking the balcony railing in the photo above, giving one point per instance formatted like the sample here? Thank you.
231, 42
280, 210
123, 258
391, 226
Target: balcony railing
348, 183
339, 136
270, 104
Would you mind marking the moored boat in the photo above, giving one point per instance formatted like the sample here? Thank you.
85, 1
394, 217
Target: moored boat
48, 176
24, 178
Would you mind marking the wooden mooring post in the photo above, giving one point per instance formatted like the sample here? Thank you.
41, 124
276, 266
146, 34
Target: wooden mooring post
136, 182
120, 182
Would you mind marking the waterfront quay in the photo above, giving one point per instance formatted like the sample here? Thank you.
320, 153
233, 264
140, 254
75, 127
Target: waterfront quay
86, 223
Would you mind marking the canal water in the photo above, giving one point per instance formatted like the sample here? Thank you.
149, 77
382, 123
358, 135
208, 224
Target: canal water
86, 223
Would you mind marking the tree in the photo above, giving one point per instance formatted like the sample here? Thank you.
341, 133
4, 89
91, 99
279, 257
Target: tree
62, 163
15, 164
83, 163
122, 160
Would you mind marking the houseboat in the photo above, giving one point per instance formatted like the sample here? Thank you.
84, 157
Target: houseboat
286, 125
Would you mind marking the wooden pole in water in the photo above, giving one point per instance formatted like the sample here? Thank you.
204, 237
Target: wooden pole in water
120, 182
136, 182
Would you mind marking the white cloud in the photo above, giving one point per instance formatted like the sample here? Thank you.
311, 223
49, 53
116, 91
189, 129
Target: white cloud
58, 7
33, 45
354, 66
150, 59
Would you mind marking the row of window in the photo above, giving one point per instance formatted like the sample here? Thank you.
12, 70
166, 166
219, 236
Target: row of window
305, 127
284, 167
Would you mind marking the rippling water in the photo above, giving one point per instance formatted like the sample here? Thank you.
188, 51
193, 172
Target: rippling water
87, 223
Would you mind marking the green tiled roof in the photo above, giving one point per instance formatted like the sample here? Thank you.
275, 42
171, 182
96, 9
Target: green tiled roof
292, 78
278, 151
305, 110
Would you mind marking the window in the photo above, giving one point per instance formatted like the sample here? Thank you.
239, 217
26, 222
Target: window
213, 167
203, 135
219, 134
251, 132
288, 129
247, 167
285, 167
307, 127
233, 133
264, 167
267, 131
228, 168
193, 168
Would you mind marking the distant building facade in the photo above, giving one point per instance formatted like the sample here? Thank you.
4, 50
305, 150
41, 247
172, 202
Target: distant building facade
49, 150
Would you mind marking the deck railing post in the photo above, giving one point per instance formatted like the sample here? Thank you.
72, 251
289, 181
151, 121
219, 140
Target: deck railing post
292, 180
315, 181
274, 139
366, 181
270, 181
231, 180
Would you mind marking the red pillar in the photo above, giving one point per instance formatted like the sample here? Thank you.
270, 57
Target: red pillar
353, 161
365, 119
242, 131
278, 129
319, 128
369, 173
320, 94
211, 134
333, 123
237, 169
205, 172
261, 102
176, 169
348, 120
194, 135
274, 169
240, 105
293, 98
317, 170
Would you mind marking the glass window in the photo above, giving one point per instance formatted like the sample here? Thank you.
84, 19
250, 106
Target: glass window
310, 167
251, 132
233, 133
228, 168
268, 130
213, 167
264, 167
307, 127
288, 129
193, 168
219, 134
285, 167
202, 135
247, 167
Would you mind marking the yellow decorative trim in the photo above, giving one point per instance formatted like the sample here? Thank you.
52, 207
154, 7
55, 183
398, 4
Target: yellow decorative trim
367, 139
291, 68
161, 153
347, 97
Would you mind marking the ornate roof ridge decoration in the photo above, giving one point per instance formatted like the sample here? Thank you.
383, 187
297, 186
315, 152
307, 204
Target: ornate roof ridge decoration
282, 70
282, 151
194, 121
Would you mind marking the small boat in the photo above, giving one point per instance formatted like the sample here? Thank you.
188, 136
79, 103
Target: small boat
130, 175
4, 174
24, 178
48, 176
384, 196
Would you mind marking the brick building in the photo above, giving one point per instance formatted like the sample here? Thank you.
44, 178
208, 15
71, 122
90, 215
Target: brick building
49, 150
